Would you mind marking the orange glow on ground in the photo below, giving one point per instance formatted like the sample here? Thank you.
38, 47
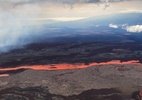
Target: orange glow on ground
4, 75
66, 66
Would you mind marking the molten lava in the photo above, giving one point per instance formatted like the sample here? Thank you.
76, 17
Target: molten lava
4, 75
65, 66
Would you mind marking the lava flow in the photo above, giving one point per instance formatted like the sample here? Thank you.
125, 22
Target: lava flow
4, 75
66, 66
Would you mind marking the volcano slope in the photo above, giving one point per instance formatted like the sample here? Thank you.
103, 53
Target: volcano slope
101, 82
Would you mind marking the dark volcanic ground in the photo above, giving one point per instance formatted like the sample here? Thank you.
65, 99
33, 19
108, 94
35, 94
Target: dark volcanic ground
40, 93
103, 82
76, 52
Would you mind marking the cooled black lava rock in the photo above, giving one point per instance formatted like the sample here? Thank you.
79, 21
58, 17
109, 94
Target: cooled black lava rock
74, 52
42, 93
31, 93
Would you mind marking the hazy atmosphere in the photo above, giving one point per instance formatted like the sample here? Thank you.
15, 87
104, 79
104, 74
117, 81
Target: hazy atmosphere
24, 21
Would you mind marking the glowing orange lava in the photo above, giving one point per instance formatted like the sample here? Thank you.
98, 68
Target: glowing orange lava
65, 66
4, 75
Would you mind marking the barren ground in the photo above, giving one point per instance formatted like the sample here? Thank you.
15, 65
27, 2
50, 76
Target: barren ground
123, 78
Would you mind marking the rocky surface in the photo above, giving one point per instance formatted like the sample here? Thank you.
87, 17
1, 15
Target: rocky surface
75, 52
66, 83
41, 93
103, 82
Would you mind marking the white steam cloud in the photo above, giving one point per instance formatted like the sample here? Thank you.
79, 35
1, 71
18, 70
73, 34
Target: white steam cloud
134, 29
16, 28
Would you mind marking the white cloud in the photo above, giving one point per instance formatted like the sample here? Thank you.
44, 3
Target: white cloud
97, 25
113, 26
124, 25
134, 28
64, 19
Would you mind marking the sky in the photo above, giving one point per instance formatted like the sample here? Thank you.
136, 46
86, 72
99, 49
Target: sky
18, 18
67, 9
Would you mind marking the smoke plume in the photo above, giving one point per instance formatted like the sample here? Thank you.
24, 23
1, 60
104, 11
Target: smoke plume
16, 27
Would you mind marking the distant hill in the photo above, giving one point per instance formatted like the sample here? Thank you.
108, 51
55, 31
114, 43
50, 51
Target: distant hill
121, 18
